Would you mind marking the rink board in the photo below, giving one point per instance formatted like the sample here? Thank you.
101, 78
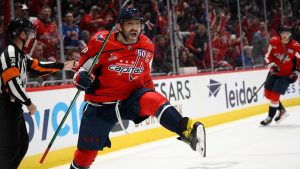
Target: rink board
212, 98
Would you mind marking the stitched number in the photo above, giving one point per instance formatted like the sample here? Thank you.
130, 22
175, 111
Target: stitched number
141, 53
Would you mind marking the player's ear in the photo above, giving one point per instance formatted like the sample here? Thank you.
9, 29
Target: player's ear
23, 35
119, 27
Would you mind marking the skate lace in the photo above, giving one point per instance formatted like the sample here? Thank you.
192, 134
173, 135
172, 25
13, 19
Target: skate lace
119, 117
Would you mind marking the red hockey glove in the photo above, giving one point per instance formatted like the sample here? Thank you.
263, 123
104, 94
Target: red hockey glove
292, 78
82, 80
274, 69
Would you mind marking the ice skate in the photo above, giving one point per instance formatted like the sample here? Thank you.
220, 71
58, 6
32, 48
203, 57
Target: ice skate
266, 122
281, 116
195, 137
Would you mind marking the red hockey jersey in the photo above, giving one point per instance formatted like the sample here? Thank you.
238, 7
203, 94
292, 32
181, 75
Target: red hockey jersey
121, 68
276, 52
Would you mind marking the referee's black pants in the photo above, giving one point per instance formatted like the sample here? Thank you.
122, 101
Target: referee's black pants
13, 134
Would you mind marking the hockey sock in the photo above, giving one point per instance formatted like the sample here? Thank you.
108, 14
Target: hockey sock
170, 118
84, 158
74, 166
272, 111
280, 107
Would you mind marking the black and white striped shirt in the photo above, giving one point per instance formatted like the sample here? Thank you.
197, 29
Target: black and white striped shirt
14, 64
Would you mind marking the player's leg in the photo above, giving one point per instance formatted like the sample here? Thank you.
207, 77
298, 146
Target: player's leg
191, 132
23, 143
272, 110
8, 142
281, 87
269, 84
14, 138
273, 92
83, 159
94, 130
282, 113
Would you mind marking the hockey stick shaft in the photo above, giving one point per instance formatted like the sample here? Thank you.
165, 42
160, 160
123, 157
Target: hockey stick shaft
78, 91
255, 93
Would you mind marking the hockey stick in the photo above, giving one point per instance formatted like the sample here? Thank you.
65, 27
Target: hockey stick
281, 61
78, 91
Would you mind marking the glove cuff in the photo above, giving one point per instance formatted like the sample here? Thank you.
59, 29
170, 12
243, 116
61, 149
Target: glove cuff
269, 65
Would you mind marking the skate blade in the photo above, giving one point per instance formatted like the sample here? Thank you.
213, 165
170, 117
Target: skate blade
201, 136
265, 125
285, 116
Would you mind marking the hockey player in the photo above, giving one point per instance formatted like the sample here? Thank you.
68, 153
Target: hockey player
120, 87
14, 63
282, 57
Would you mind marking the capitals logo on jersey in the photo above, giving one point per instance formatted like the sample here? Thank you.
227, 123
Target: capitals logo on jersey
281, 57
130, 67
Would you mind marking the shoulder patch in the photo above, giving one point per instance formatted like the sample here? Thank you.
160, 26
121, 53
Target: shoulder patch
100, 37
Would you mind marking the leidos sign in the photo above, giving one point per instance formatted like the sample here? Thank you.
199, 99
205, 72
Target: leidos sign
236, 93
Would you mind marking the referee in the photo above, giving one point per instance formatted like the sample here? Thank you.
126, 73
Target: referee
14, 63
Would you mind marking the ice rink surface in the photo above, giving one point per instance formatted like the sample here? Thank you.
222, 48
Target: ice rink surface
242, 144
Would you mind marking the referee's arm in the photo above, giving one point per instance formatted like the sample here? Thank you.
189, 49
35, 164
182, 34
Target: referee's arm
10, 75
40, 68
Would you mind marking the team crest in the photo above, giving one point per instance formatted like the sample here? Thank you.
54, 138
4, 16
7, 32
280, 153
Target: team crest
100, 38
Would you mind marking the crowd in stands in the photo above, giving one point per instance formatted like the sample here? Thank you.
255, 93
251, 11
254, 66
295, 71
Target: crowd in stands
81, 19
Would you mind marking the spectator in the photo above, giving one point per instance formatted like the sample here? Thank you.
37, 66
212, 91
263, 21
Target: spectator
218, 52
186, 58
259, 42
149, 27
161, 62
248, 59
93, 21
197, 44
21, 11
162, 23
71, 32
86, 36
2, 45
296, 31
233, 51
47, 33
180, 36
38, 52
72, 54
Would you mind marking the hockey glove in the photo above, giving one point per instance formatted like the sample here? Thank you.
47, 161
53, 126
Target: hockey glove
82, 80
292, 78
274, 69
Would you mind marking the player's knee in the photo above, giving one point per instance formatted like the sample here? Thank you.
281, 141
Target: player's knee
267, 93
84, 158
274, 97
150, 102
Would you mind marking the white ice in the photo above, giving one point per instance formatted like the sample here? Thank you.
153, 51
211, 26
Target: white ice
242, 144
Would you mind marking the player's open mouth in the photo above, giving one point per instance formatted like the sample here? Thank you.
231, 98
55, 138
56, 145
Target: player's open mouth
133, 33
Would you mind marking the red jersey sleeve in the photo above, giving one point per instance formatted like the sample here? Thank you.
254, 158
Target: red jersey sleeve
92, 49
269, 54
148, 45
